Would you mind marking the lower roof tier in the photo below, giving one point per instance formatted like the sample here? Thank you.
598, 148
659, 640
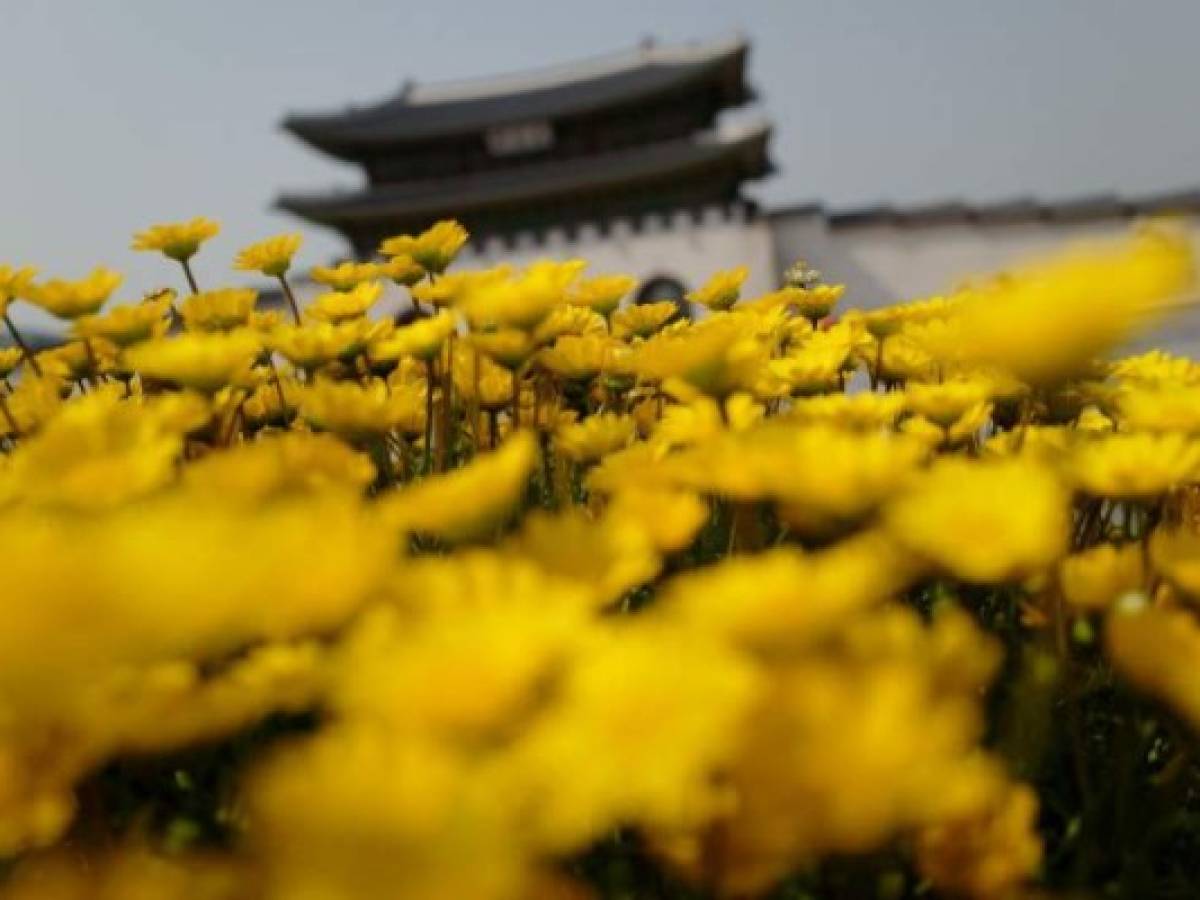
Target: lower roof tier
703, 168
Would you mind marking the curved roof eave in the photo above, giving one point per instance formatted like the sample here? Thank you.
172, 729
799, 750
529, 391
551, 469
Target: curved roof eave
408, 117
748, 149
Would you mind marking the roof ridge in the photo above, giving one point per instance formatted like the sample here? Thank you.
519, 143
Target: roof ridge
648, 52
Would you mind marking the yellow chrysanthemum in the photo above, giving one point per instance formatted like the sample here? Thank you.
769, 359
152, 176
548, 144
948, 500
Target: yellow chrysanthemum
507, 347
433, 249
343, 305
196, 360
96, 453
1175, 552
345, 276
126, 325
178, 240
716, 358
581, 358
1134, 466
402, 270
984, 522
313, 345
1047, 321
603, 293
221, 310
72, 299
721, 291
1097, 578
470, 502
1163, 408
15, 282
272, 257
594, 437
522, 301
643, 319
360, 411
422, 339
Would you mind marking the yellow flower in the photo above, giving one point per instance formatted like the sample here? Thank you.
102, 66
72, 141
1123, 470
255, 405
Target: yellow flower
1175, 552
1156, 367
866, 411
670, 518
177, 240
701, 418
203, 362
271, 257
360, 411
14, 283
508, 347
522, 301
402, 270
639, 466
470, 502
355, 808
264, 405
1047, 321
636, 693
423, 339
829, 761
80, 359
784, 600
313, 345
492, 630
33, 402
809, 370
433, 249
602, 294
643, 319
72, 299
10, 358
714, 357
1096, 578
126, 325
987, 855
825, 480
563, 320
582, 358
222, 310
449, 290
594, 437
97, 452
815, 303
279, 465
1157, 649
945, 402
721, 290
903, 360
494, 387
1163, 408
985, 522
1134, 466
347, 275
344, 305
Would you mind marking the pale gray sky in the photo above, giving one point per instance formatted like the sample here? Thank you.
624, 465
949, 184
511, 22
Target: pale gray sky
120, 113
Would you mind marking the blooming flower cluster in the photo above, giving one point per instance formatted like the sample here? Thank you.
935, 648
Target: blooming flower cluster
541, 593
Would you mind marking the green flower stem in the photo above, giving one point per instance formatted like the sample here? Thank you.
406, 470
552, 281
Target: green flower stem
20, 342
291, 298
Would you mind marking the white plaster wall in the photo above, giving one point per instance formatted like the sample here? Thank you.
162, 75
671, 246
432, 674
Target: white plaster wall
677, 246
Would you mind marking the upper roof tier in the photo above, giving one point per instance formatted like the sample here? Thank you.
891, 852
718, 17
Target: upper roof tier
713, 72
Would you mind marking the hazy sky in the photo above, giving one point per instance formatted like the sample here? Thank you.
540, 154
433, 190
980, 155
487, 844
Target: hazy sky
119, 113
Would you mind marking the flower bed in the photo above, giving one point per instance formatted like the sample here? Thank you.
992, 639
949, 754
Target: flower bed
545, 595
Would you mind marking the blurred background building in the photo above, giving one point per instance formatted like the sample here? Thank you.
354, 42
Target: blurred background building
640, 162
